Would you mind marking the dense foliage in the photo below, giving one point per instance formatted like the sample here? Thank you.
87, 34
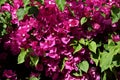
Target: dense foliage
60, 39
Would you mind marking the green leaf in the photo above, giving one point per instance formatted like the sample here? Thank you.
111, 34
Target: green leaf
106, 46
5, 17
118, 43
41, 1
89, 28
108, 59
26, 9
22, 55
3, 29
87, 42
99, 44
116, 60
63, 63
111, 43
103, 14
104, 76
83, 20
92, 46
61, 4
34, 78
2, 19
34, 60
77, 48
82, 41
10, 2
20, 13
105, 60
95, 58
115, 13
3, 32
84, 66
77, 74
4, 26
26, 2
2, 1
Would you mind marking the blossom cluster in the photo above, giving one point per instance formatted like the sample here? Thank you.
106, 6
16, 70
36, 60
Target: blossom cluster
48, 33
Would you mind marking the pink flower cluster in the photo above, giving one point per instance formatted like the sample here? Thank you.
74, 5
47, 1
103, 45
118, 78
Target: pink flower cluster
51, 32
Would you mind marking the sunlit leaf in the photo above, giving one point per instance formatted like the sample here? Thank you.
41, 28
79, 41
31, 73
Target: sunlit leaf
61, 4
92, 46
95, 58
84, 66
115, 13
26, 2
22, 55
82, 41
34, 78
105, 60
63, 63
104, 76
77, 73
2, 1
83, 20
34, 60
20, 13
77, 48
